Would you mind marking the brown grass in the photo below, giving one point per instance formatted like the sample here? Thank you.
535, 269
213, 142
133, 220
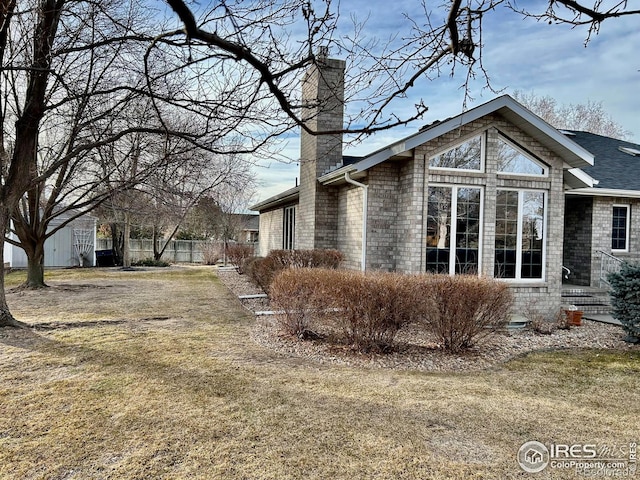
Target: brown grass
152, 374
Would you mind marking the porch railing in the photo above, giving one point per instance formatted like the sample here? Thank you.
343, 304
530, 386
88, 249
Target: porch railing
608, 264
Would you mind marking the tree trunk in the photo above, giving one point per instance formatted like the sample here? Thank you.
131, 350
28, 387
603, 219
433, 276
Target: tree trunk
157, 253
126, 253
6, 319
116, 243
35, 265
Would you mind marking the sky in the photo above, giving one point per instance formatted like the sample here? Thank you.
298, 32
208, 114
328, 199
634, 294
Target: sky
519, 54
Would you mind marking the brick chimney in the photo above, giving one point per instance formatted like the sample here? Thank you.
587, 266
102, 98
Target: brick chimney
323, 95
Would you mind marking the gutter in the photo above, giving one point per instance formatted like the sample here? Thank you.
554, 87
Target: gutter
604, 192
365, 199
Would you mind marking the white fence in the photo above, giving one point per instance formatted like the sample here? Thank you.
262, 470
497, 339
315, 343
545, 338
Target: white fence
178, 251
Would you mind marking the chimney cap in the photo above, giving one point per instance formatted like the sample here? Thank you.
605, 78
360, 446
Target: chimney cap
323, 51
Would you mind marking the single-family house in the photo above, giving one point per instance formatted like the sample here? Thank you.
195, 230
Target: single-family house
484, 192
250, 227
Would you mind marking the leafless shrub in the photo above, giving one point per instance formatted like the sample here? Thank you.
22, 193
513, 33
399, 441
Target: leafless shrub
375, 306
263, 271
547, 323
368, 309
298, 297
238, 255
466, 308
211, 253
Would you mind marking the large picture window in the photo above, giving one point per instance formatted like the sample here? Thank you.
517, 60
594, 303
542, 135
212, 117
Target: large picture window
453, 229
520, 234
465, 156
289, 228
620, 228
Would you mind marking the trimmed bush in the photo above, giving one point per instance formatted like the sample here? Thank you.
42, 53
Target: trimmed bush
465, 308
625, 299
238, 255
298, 297
367, 309
262, 271
373, 307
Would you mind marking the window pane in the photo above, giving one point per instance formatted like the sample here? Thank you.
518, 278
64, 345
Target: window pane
532, 234
619, 229
438, 229
467, 230
511, 160
506, 234
519, 234
289, 228
465, 157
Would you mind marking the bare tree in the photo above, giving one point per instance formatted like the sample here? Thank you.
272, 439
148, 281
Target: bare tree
445, 39
176, 189
18, 145
589, 117
589, 13
96, 134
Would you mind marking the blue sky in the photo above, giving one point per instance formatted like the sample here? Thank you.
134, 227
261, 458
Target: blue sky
519, 54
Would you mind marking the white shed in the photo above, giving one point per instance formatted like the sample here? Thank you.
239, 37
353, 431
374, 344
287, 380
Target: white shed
71, 246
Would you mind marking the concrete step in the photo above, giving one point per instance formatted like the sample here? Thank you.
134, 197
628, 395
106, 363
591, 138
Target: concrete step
592, 301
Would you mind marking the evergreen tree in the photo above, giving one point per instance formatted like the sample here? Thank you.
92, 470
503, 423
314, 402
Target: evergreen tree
625, 299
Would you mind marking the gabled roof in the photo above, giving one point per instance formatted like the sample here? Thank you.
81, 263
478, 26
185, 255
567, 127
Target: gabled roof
615, 166
573, 154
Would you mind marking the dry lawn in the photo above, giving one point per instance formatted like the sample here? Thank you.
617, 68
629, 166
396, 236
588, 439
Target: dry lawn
153, 375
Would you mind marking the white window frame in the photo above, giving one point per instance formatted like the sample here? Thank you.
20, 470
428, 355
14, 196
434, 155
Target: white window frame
481, 169
626, 241
454, 222
518, 278
530, 156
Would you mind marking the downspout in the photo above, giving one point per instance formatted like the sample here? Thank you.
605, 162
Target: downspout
365, 198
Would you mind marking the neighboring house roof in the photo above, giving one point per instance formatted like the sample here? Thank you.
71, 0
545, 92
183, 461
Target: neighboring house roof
252, 222
616, 166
